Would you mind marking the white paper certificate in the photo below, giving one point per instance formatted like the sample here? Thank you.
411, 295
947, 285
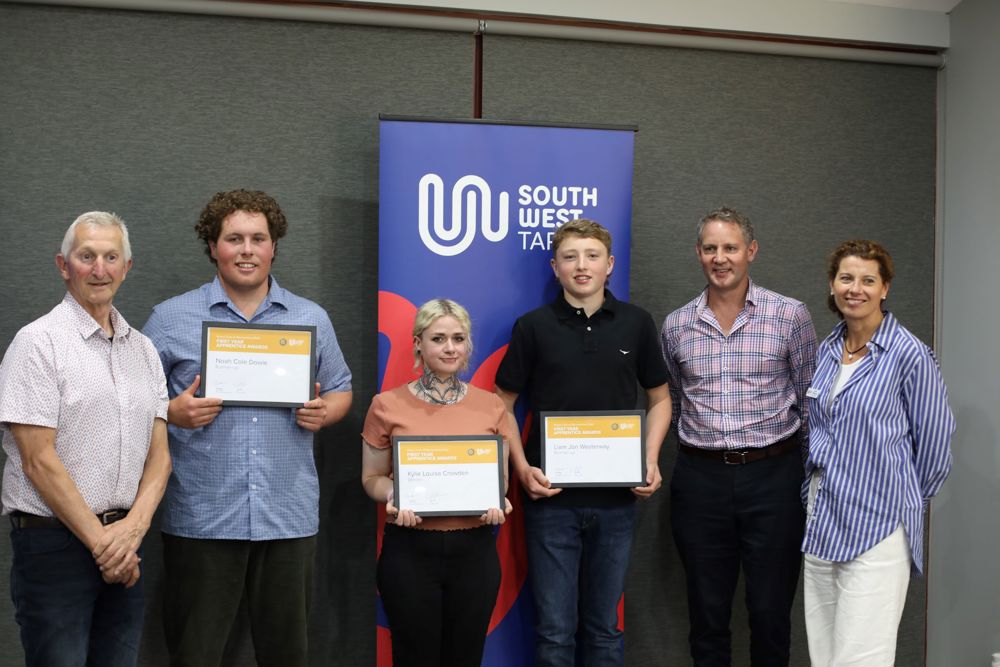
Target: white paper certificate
448, 475
251, 364
594, 448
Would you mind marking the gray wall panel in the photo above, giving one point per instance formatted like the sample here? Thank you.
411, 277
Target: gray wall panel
816, 152
149, 115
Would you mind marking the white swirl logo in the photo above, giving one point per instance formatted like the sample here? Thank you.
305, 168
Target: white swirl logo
471, 198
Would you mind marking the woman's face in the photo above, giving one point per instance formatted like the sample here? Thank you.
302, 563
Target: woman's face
443, 346
858, 289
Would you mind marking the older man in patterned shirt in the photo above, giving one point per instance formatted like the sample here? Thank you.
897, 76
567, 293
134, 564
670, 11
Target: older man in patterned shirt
83, 406
740, 358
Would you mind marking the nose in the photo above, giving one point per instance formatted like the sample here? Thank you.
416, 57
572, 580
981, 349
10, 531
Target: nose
98, 268
246, 248
449, 345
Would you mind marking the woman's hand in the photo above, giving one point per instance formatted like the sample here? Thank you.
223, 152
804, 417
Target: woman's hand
405, 518
494, 516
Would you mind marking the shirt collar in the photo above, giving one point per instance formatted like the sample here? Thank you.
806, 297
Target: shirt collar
751, 299
88, 326
275, 295
565, 311
883, 337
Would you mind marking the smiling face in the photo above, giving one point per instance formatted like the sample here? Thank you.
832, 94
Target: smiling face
582, 265
95, 267
725, 256
443, 347
243, 252
858, 290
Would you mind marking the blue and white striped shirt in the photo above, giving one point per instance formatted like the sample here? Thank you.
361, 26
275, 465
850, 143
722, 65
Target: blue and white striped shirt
250, 474
882, 446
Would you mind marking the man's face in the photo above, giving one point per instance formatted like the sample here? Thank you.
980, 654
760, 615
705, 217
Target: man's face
582, 266
725, 256
243, 251
95, 267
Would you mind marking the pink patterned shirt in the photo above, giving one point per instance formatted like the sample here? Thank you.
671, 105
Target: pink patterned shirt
101, 395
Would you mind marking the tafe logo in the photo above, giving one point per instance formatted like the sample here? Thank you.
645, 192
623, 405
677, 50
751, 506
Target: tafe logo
471, 202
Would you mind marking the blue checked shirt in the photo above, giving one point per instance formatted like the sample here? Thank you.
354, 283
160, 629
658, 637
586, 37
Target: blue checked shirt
746, 390
882, 446
250, 474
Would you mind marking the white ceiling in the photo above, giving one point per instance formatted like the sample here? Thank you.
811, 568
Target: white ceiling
924, 5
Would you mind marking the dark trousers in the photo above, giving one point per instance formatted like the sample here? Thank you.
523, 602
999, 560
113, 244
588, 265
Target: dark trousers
205, 583
731, 516
438, 589
68, 616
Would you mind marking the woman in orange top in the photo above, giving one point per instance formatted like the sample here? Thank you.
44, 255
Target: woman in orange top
438, 576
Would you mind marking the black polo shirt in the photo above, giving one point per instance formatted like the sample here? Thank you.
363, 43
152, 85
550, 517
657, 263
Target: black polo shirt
560, 359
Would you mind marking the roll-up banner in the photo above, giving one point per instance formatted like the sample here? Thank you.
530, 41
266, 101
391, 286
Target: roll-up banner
467, 210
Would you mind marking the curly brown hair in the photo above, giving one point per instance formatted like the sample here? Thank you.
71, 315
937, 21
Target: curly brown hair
862, 249
223, 204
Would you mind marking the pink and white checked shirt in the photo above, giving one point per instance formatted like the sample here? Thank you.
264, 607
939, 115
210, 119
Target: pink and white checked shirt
101, 395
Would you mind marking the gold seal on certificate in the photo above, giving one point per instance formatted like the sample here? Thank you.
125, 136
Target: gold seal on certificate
457, 475
255, 364
594, 448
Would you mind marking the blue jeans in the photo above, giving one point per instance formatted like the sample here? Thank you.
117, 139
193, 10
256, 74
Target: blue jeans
578, 558
68, 616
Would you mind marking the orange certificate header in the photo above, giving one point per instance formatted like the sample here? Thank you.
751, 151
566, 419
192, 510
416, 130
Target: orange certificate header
266, 342
615, 426
450, 452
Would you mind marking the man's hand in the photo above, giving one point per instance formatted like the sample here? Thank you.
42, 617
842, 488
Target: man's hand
116, 550
536, 484
653, 481
312, 415
188, 411
128, 578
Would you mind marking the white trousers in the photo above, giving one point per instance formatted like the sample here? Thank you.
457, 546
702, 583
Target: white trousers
853, 608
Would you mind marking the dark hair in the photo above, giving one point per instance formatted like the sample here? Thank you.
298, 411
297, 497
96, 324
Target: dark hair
862, 249
586, 229
730, 215
224, 204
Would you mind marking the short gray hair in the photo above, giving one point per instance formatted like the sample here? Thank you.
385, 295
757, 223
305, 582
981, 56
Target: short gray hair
730, 215
97, 219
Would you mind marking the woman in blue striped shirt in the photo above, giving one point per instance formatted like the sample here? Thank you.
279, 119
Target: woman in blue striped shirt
879, 449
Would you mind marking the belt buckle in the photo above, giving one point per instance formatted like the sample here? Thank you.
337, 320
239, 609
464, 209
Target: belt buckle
110, 517
732, 457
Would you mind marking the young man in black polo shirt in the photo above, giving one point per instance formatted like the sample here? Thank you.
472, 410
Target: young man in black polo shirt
584, 351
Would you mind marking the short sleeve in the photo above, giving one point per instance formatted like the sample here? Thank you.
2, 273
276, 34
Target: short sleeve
652, 371
332, 372
160, 381
376, 431
29, 382
514, 371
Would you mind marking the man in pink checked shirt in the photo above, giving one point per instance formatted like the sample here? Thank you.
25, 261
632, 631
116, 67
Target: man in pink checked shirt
740, 359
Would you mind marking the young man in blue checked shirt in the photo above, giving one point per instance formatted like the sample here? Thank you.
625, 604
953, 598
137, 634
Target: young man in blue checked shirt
241, 508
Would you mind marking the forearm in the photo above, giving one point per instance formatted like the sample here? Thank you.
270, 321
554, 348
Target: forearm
337, 405
155, 474
376, 464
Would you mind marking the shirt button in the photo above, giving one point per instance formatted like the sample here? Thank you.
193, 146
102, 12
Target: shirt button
588, 328
578, 312
253, 486
254, 420
253, 451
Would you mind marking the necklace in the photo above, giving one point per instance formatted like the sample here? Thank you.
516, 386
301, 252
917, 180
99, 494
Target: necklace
439, 392
850, 353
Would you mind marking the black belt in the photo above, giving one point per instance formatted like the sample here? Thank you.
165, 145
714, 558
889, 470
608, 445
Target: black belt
20, 519
740, 457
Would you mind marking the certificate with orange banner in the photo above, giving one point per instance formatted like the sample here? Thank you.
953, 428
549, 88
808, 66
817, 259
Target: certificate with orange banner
254, 364
594, 448
455, 475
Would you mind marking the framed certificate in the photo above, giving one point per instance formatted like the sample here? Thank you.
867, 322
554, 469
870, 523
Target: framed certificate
254, 364
594, 448
458, 475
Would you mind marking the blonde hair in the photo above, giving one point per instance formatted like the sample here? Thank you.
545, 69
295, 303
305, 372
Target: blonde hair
431, 312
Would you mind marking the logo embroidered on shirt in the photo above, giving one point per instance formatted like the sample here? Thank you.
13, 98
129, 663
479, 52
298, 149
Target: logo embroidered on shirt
624, 351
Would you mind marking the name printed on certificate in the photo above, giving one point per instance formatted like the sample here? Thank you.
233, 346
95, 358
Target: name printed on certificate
448, 475
257, 364
594, 448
